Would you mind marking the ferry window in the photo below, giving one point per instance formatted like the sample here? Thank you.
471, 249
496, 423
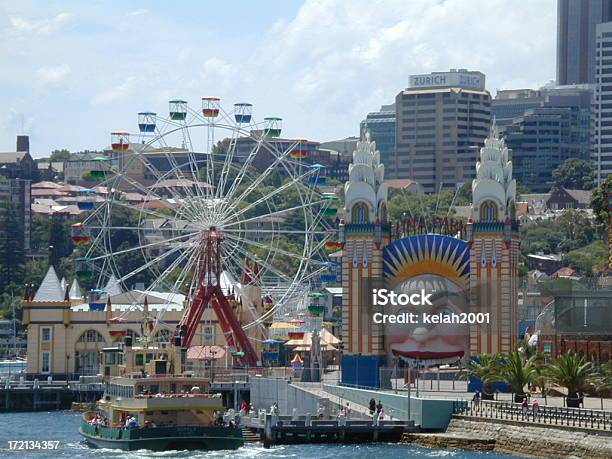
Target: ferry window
149, 357
45, 362
45, 334
110, 359
139, 359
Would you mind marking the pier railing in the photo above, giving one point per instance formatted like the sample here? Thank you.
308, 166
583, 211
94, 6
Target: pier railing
550, 415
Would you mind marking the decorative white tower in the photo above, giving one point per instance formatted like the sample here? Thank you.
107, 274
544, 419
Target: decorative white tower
363, 233
493, 236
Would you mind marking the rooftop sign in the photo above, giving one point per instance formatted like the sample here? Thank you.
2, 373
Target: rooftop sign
460, 79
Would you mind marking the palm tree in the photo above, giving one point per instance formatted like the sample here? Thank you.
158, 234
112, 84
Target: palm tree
517, 372
572, 372
484, 368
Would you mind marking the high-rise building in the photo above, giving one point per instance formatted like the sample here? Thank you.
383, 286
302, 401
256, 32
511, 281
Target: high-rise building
441, 120
543, 128
602, 123
576, 24
15, 198
381, 125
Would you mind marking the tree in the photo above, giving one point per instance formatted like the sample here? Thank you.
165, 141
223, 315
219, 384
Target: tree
483, 367
518, 371
576, 174
593, 257
599, 204
59, 155
572, 372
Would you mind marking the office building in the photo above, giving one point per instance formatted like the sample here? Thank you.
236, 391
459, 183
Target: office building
381, 125
543, 128
442, 119
576, 28
602, 123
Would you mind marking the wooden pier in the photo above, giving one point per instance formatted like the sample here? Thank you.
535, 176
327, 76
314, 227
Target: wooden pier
280, 430
46, 396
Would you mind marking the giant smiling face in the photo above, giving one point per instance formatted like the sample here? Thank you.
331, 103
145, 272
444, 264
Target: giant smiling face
445, 342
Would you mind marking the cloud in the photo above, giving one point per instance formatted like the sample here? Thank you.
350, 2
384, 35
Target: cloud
53, 74
322, 65
40, 26
114, 93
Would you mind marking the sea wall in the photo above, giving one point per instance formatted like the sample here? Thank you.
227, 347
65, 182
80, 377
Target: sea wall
524, 438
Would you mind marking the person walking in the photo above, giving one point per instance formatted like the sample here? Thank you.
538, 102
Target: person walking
535, 409
525, 407
372, 406
476, 400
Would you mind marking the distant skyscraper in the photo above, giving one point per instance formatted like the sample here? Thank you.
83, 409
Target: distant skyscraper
602, 142
381, 125
576, 23
441, 120
543, 128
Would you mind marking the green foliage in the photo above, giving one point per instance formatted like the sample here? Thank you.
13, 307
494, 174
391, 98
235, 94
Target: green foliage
12, 255
599, 204
574, 173
59, 155
517, 370
485, 368
572, 230
593, 257
572, 372
428, 205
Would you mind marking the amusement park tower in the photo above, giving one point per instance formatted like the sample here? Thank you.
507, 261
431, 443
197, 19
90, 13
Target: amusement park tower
363, 233
494, 249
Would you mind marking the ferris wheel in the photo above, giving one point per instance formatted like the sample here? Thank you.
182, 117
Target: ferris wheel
203, 203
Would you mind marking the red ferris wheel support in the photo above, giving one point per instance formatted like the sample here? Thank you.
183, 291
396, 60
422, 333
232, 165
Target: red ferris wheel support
209, 292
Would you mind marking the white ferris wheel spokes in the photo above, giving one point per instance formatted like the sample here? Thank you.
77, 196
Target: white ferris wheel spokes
193, 172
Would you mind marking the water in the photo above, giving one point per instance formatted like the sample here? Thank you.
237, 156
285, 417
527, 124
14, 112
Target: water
63, 426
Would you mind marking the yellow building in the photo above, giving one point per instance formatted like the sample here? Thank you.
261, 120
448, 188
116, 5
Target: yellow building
65, 334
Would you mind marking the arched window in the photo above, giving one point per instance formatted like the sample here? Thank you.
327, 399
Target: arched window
360, 213
91, 336
488, 211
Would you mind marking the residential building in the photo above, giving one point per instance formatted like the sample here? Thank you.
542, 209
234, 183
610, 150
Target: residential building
576, 28
563, 198
78, 165
381, 125
602, 142
441, 120
15, 193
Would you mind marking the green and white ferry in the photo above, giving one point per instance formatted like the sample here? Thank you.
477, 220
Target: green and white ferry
149, 405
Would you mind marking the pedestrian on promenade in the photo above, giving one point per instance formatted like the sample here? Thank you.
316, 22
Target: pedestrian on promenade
536, 409
525, 407
348, 410
476, 400
372, 406
379, 408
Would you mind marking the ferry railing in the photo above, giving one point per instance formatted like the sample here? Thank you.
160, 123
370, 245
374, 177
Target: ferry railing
551, 415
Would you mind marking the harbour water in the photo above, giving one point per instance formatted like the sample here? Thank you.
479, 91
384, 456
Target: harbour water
62, 426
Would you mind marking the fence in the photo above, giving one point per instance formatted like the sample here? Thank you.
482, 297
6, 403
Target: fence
551, 415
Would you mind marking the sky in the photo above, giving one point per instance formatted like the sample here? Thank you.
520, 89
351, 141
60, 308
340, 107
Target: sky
73, 71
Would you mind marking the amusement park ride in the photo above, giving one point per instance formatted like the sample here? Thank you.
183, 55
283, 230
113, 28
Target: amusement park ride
209, 227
